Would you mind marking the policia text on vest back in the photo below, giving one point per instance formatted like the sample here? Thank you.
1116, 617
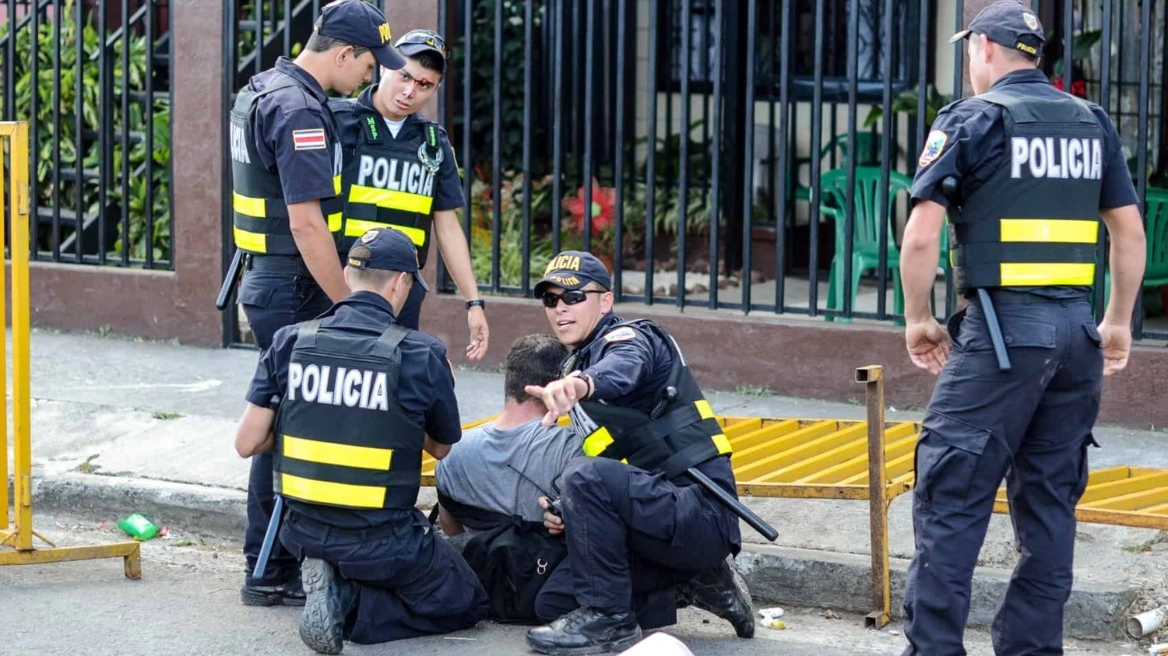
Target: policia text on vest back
261, 222
388, 181
1035, 222
677, 436
342, 439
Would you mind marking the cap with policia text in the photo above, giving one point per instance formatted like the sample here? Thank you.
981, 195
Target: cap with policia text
573, 270
415, 41
361, 24
1009, 24
387, 249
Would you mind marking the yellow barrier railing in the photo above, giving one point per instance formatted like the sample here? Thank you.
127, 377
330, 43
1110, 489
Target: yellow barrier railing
14, 135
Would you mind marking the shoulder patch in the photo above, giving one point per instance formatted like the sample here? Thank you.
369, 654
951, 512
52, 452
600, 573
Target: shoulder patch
934, 144
622, 334
308, 139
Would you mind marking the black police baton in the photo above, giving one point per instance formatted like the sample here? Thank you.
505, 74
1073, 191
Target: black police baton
233, 274
949, 188
747, 515
269, 538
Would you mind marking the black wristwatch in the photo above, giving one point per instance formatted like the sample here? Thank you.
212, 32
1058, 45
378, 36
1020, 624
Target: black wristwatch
476, 303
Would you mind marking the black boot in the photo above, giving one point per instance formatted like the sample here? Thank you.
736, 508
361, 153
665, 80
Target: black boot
722, 592
268, 592
586, 631
329, 601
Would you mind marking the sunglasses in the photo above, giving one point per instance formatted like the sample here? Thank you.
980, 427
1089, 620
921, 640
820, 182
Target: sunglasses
570, 297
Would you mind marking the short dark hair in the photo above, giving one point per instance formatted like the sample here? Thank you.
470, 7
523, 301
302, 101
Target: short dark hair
321, 43
429, 60
532, 360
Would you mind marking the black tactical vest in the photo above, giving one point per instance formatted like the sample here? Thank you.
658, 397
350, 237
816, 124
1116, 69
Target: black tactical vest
388, 181
1035, 222
261, 216
342, 439
681, 432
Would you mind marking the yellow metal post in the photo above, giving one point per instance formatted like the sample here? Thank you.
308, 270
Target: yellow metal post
19, 205
3, 360
873, 379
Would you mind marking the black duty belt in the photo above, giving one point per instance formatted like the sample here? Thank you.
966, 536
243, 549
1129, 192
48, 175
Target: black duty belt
290, 264
1013, 296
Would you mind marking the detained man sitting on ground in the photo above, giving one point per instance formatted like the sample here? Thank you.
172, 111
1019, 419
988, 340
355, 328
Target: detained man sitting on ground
501, 468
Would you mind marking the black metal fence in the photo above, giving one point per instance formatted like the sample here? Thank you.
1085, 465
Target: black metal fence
92, 77
737, 146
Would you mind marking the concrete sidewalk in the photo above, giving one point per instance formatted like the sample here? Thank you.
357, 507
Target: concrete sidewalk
121, 426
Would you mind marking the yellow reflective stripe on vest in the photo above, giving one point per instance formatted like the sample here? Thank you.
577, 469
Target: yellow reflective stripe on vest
340, 494
597, 442
358, 227
1023, 274
704, 409
251, 241
335, 221
331, 453
723, 444
390, 199
248, 205
1063, 231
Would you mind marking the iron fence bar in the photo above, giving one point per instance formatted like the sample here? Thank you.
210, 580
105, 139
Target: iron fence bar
651, 157
105, 84
683, 150
1068, 44
772, 147
125, 132
444, 92
1102, 250
288, 31
558, 126
575, 91
79, 133
497, 150
783, 164
467, 153
1142, 143
525, 266
853, 155
10, 65
258, 60
56, 227
715, 169
148, 210
816, 145
229, 320
887, 144
587, 115
619, 152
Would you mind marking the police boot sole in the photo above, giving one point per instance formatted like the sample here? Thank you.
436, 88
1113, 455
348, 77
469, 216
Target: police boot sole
257, 598
611, 646
318, 626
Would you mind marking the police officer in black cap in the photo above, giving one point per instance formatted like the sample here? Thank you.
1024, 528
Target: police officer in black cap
400, 170
286, 161
641, 536
348, 402
1024, 173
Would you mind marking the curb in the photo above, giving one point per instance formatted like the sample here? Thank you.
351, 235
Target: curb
776, 575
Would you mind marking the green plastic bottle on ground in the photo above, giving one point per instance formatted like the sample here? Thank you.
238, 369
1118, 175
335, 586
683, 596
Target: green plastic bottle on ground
138, 527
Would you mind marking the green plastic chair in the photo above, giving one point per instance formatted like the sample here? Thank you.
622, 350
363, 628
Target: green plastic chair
868, 147
865, 231
1156, 265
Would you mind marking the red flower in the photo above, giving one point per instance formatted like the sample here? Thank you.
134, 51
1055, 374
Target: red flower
603, 208
1078, 87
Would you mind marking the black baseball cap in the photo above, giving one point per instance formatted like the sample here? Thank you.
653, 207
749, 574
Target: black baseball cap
361, 24
388, 249
416, 41
573, 270
1009, 24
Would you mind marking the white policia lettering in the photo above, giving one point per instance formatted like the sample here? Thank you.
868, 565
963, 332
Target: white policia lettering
239, 145
393, 174
359, 388
1057, 157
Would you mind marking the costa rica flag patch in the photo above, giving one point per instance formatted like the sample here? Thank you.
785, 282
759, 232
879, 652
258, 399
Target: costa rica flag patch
308, 139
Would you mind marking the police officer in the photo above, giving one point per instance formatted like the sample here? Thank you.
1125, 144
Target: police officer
285, 160
1023, 172
640, 535
400, 170
348, 402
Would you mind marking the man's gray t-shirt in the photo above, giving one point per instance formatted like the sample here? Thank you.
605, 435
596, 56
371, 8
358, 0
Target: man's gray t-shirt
476, 470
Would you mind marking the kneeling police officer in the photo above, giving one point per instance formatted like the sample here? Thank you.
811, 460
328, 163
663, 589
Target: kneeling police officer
641, 536
349, 401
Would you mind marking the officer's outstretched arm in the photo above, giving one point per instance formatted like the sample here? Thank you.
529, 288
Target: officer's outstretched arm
316, 246
254, 434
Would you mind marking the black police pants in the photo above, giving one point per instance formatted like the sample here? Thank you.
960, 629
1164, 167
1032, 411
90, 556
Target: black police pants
1030, 426
409, 582
632, 537
271, 301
